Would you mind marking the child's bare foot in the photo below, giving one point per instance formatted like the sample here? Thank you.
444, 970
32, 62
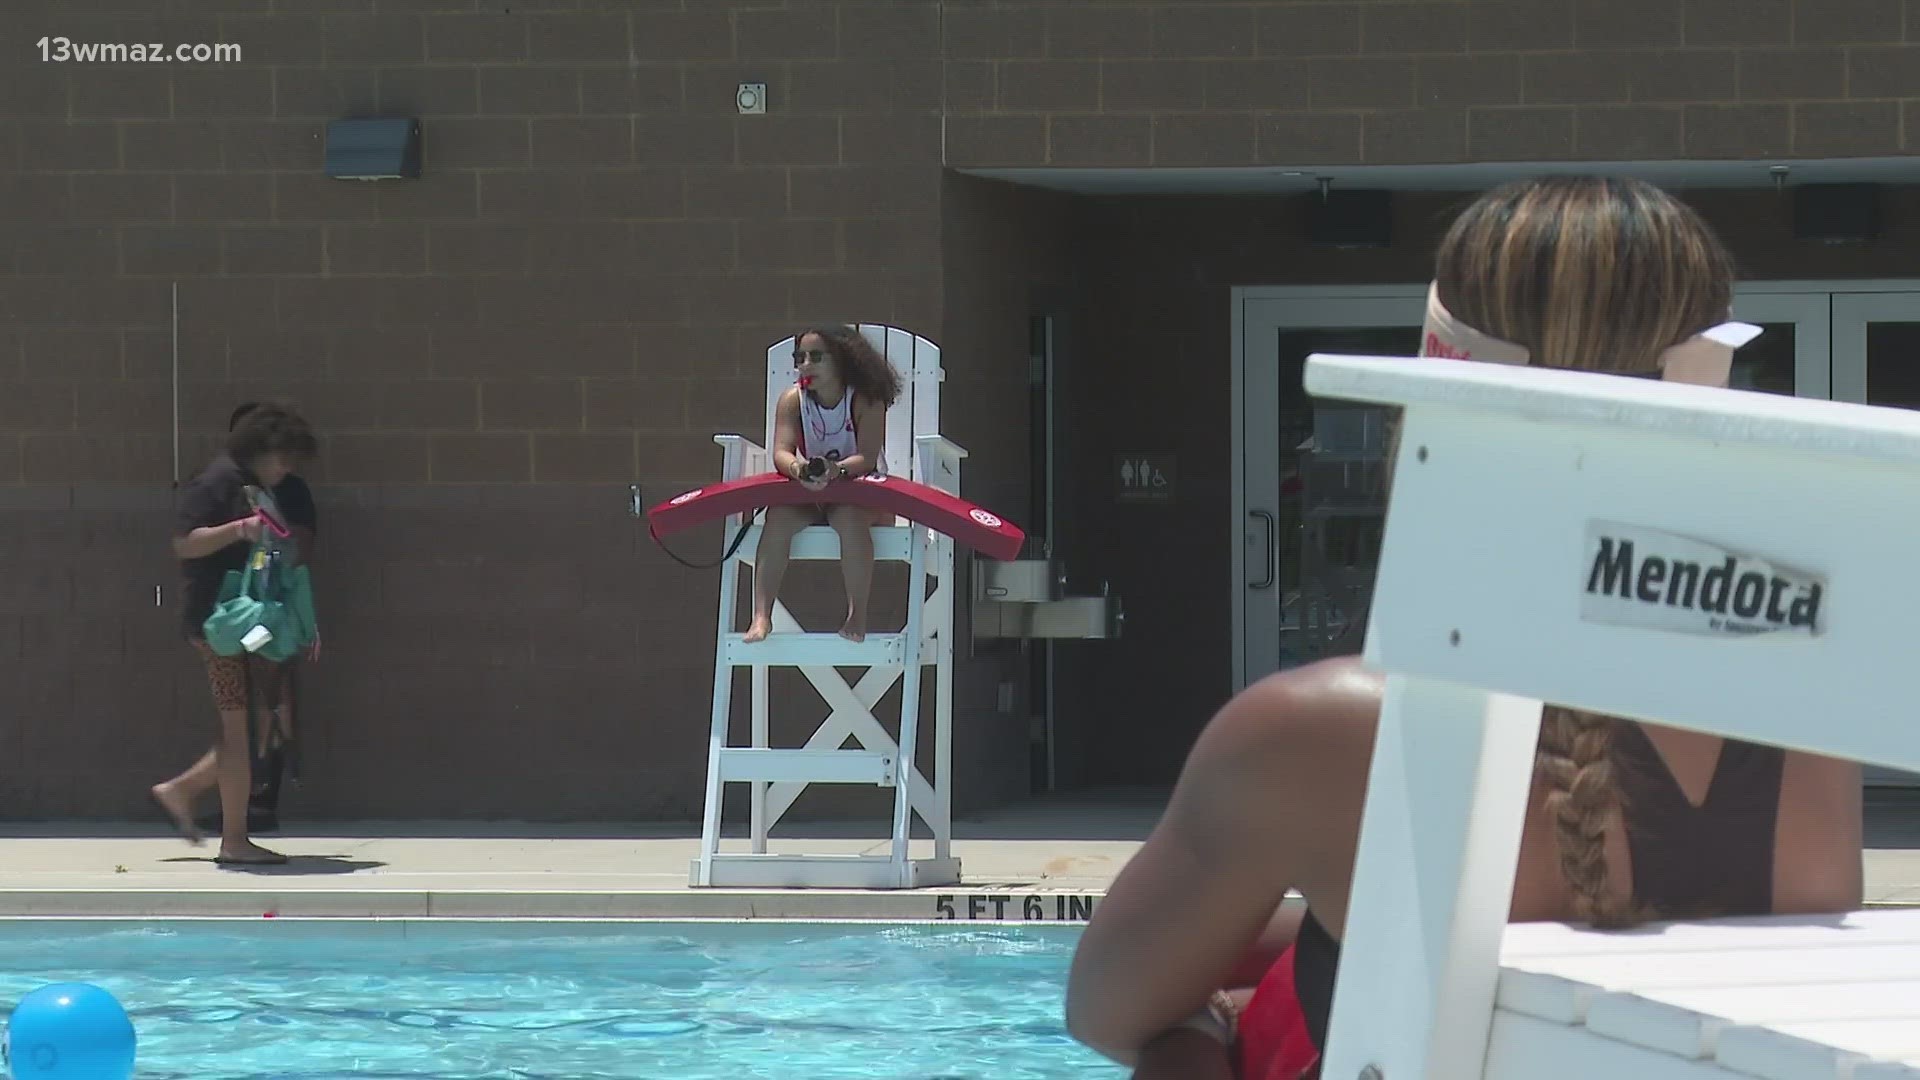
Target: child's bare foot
856, 627
248, 854
176, 807
758, 631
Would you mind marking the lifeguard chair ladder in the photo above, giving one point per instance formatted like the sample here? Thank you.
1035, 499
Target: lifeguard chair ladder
1489, 601
916, 449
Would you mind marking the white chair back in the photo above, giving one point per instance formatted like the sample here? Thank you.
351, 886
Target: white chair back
1731, 562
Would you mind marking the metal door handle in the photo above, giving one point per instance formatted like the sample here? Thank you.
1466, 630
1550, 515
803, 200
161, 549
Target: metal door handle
1267, 558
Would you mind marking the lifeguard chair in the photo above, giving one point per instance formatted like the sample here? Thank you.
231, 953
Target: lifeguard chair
915, 449
1503, 584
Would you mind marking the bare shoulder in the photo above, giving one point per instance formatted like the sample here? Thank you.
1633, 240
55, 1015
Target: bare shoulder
786, 408
1288, 748
1343, 682
1818, 836
1325, 698
1822, 774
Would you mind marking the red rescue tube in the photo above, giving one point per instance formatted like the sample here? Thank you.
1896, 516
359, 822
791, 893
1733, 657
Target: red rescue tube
983, 531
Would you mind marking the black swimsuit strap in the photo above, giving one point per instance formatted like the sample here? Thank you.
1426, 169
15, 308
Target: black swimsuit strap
1713, 859
1316, 957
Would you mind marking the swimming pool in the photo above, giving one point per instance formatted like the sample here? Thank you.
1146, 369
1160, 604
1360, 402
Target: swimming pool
251, 1000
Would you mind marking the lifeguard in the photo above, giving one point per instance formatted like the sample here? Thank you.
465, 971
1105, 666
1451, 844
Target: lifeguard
833, 419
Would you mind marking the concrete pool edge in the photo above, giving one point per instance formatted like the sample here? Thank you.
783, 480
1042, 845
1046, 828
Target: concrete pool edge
949, 905
964, 905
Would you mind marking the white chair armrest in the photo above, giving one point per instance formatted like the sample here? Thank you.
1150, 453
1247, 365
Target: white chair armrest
940, 459
728, 439
741, 456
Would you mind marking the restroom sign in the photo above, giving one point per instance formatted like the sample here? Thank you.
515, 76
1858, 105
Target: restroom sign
1145, 476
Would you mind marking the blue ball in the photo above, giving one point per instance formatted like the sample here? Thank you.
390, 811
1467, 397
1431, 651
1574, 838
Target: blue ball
69, 1031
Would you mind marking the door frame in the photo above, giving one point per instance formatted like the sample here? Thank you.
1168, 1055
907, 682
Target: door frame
1837, 382
1813, 373
1850, 334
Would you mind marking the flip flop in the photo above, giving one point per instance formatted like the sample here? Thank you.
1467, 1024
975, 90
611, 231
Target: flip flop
183, 825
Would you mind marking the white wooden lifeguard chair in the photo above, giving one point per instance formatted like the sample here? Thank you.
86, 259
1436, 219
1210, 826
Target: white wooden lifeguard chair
1504, 583
915, 449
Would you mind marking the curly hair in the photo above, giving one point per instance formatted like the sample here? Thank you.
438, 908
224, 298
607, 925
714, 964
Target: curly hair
860, 365
266, 428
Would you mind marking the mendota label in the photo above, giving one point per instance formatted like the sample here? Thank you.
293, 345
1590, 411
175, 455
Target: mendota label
1648, 579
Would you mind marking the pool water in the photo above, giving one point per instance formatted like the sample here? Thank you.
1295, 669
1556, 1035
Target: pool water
217, 1000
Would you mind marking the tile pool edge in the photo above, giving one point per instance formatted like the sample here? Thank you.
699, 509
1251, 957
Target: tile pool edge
958, 905
1072, 908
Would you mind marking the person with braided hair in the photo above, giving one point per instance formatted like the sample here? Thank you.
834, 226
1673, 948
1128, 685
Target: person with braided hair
1192, 968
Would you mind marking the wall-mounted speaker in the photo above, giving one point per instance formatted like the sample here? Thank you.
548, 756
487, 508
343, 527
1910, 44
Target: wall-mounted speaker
374, 148
1350, 218
1836, 213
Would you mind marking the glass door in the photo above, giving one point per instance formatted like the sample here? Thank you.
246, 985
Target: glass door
1876, 337
1313, 498
1794, 355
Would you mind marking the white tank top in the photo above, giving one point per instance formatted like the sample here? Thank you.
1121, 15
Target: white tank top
831, 433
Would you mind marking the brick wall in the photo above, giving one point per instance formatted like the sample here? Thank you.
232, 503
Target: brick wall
576, 294
581, 287
589, 270
1428, 81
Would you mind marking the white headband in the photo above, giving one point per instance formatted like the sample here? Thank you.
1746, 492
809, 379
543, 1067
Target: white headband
1705, 358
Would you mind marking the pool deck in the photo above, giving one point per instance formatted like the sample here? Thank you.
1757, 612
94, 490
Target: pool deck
1048, 861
